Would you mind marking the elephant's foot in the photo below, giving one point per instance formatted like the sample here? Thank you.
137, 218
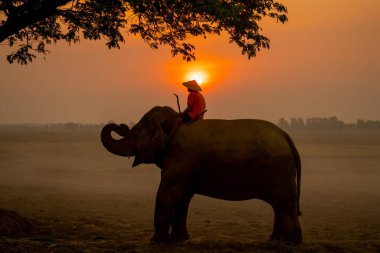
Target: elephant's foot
289, 238
294, 238
274, 237
172, 238
179, 236
157, 238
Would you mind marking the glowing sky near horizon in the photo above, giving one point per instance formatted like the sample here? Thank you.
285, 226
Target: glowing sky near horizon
323, 62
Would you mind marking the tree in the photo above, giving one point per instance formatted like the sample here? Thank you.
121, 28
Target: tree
283, 123
31, 25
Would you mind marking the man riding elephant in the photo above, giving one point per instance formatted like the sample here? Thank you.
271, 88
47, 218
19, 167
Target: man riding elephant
225, 159
196, 104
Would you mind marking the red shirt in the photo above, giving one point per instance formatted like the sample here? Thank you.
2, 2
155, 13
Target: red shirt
196, 103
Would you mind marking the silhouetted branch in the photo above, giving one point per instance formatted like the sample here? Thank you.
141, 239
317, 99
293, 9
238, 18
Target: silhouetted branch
32, 24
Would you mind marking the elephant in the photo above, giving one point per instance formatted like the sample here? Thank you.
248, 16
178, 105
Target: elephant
225, 159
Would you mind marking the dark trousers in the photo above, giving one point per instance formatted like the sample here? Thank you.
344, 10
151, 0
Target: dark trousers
186, 118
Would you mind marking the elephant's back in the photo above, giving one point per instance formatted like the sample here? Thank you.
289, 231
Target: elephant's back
230, 125
231, 131
233, 141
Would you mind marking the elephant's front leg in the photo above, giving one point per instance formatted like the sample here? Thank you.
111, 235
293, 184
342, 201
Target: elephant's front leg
169, 196
179, 230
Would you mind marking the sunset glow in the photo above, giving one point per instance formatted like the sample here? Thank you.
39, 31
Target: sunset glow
199, 76
314, 57
207, 70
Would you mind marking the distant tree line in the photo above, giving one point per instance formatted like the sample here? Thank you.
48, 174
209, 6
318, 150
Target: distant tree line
69, 126
327, 124
368, 124
312, 124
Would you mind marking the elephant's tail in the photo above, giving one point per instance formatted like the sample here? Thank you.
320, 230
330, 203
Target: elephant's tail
297, 160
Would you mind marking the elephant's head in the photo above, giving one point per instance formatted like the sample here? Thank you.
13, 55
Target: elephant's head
146, 140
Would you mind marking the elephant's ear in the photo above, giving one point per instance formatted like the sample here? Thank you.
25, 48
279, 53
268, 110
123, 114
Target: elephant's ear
171, 124
153, 149
158, 142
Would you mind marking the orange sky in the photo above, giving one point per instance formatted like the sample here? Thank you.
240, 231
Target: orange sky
323, 62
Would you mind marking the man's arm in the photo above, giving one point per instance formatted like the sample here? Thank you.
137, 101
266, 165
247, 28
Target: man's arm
189, 103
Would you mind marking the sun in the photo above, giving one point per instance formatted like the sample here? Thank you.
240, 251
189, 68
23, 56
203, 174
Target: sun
198, 76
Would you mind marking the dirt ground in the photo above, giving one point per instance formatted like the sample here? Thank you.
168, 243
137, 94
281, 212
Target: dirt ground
80, 198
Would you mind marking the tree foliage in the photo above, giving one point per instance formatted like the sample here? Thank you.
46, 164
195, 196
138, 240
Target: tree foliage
31, 25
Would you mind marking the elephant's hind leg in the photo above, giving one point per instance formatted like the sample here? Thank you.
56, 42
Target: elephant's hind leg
286, 227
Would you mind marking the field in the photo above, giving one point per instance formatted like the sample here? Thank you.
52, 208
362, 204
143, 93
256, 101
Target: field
80, 198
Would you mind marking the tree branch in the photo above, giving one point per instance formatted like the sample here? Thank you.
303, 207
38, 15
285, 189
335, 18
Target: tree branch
28, 14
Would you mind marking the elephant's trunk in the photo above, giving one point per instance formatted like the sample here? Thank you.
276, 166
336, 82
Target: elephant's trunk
118, 147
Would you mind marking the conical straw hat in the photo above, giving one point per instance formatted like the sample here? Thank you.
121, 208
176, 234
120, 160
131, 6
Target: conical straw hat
193, 85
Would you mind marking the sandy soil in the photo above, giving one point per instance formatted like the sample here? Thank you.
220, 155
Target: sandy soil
80, 198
